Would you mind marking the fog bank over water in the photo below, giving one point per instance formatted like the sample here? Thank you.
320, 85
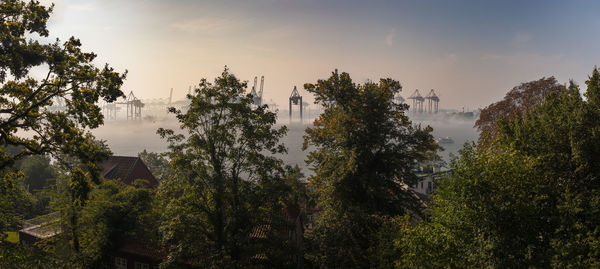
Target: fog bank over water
131, 137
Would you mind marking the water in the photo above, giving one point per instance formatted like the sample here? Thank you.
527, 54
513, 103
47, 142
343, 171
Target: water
128, 138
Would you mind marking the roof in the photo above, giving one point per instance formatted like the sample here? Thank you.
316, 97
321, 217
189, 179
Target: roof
127, 169
260, 231
143, 249
291, 213
44, 226
43, 231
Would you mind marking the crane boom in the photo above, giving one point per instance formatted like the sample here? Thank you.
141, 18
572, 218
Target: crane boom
262, 83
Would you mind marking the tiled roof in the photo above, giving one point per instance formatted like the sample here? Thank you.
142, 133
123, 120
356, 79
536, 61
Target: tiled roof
260, 231
127, 169
139, 248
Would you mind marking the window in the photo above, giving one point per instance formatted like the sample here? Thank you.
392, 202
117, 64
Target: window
120, 263
140, 265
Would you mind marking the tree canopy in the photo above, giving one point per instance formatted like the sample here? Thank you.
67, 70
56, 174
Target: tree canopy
228, 181
530, 198
30, 118
365, 151
518, 101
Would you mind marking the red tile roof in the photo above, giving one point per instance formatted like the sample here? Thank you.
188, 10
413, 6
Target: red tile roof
127, 169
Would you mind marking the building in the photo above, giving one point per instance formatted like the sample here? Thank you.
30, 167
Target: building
40, 228
128, 169
427, 174
137, 255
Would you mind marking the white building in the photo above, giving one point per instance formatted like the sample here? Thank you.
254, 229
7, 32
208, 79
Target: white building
427, 173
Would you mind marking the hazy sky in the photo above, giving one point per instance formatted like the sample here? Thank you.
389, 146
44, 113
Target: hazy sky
470, 52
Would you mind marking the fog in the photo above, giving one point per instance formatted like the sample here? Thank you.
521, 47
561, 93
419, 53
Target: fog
129, 137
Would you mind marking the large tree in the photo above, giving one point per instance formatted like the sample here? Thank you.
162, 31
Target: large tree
114, 215
228, 182
365, 150
531, 199
486, 215
157, 163
518, 101
34, 76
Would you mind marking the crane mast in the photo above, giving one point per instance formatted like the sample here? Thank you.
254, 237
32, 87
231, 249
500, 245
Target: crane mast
257, 96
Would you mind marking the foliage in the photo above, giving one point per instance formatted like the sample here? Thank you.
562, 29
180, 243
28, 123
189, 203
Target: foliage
593, 88
564, 134
12, 237
516, 103
228, 182
39, 172
28, 104
17, 256
531, 198
14, 202
116, 213
486, 214
365, 151
69, 75
157, 164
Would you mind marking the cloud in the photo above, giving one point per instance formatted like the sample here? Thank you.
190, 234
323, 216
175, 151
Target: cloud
275, 34
520, 39
491, 57
206, 26
447, 61
82, 7
523, 58
389, 38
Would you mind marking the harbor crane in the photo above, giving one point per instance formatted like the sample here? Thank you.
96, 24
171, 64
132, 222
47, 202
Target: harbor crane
257, 96
399, 99
417, 101
432, 102
133, 104
296, 99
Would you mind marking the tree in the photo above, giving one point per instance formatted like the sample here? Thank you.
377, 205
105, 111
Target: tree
25, 101
157, 164
485, 215
593, 88
39, 172
531, 197
517, 102
226, 172
564, 135
365, 152
14, 202
116, 214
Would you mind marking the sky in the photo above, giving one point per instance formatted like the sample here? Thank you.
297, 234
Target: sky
470, 52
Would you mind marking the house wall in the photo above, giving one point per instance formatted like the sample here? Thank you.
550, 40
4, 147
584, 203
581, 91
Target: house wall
26, 239
132, 259
425, 186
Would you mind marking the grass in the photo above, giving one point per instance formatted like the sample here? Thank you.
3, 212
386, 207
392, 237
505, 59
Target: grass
13, 237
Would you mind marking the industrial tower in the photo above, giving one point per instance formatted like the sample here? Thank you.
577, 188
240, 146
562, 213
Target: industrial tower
297, 100
399, 99
134, 107
257, 96
417, 101
432, 102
